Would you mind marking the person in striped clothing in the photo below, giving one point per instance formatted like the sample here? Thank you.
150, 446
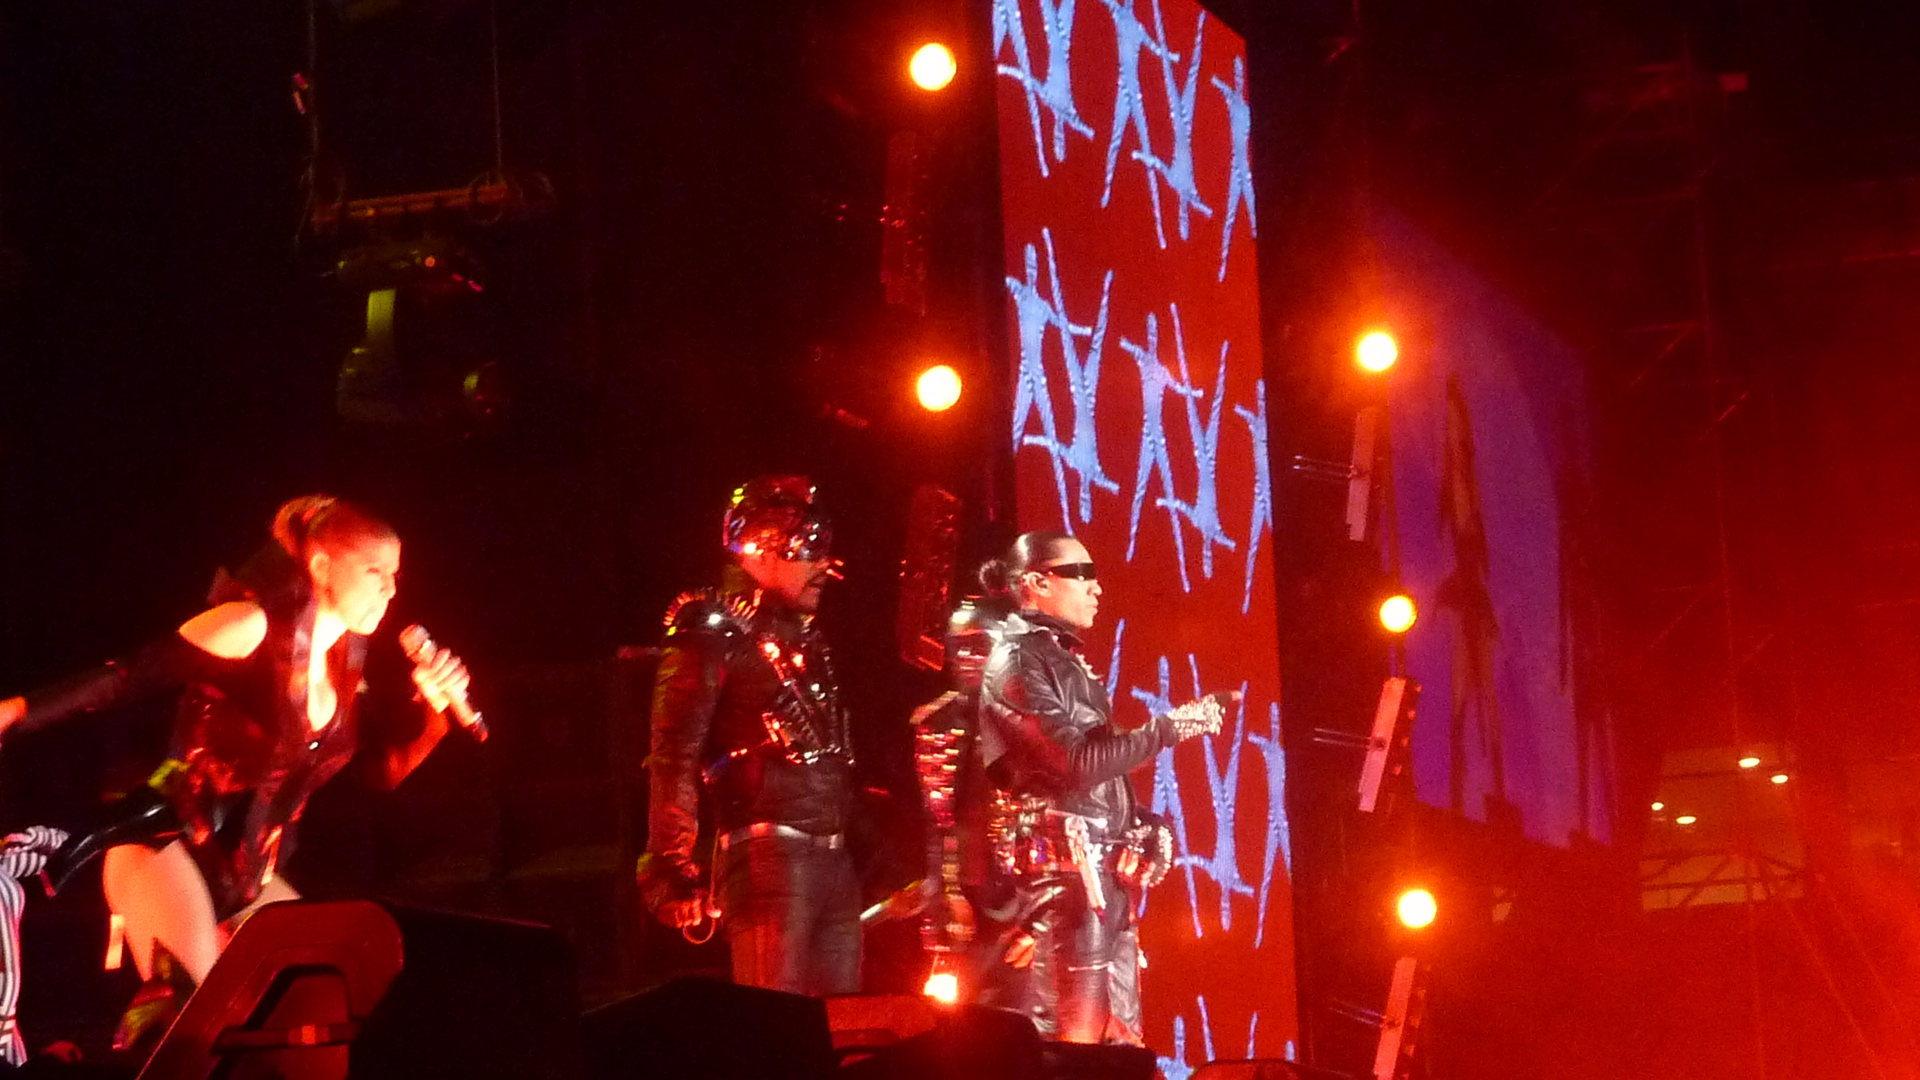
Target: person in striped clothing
22, 855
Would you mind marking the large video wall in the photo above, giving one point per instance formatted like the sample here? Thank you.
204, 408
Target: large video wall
1493, 504
1140, 426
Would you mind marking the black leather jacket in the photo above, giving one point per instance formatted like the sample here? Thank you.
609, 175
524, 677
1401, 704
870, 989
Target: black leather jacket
1047, 727
249, 760
711, 695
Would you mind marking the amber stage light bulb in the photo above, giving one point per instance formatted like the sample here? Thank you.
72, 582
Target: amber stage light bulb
1376, 352
1417, 909
933, 66
938, 388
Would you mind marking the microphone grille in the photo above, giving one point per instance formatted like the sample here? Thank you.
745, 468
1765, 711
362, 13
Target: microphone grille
415, 641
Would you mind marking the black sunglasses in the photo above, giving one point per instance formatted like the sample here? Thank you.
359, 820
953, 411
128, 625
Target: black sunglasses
1082, 570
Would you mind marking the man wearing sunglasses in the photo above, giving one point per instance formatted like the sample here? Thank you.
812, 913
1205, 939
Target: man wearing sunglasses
746, 708
1071, 832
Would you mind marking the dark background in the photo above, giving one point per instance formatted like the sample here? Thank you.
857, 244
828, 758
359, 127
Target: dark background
700, 295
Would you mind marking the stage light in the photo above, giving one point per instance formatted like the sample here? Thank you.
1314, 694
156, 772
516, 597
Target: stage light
1417, 909
1778, 778
933, 66
1376, 351
1659, 806
943, 987
943, 982
1685, 819
1749, 762
1398, 614
938, 388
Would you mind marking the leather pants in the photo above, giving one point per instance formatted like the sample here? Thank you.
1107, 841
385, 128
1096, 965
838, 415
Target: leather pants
1084, 983
791, 913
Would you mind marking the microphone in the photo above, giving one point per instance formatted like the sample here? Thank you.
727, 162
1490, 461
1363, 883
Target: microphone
420, 649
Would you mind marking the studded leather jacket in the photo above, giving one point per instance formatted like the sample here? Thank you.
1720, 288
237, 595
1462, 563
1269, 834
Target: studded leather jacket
1047, 727
745, 704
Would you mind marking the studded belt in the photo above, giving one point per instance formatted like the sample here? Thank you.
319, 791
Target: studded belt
762, 829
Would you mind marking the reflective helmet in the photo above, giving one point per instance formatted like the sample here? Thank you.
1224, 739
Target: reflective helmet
777, 514
972, 631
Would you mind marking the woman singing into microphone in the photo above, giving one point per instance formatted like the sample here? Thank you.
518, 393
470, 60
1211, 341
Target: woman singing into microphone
270, 675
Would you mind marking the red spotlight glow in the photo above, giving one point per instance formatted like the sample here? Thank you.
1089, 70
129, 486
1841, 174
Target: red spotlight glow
1398, 614
943, 987
933, 66
938, 388
1376, 352
1417, 909
943, 982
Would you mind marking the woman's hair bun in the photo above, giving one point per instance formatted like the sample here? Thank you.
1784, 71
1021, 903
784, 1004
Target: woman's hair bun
293, 523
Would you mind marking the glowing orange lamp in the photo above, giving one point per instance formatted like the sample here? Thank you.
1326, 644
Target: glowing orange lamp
1417, 909
932, 67
938, 388
1398, 614
1376, 352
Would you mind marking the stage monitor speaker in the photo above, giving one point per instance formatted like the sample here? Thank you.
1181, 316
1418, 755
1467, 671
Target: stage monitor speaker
870, 1020
1078, 1061
711, 1030
971, 1043
354, 990
979, 1043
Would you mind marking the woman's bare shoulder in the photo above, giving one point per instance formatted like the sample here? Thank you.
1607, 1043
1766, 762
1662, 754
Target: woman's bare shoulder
230, 631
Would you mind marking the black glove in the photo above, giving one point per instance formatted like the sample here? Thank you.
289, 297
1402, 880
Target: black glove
1150, 842
671, 891
1201, 716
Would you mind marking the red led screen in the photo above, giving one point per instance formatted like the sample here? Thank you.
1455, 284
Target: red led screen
1140, 425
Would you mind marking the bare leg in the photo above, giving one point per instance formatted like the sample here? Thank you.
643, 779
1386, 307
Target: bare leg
162, 899
275, 890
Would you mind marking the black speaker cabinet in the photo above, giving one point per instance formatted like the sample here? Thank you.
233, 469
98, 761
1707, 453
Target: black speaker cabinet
355, 990
704, 1029
970, 1043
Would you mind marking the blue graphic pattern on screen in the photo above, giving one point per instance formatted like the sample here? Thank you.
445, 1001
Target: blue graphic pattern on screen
1176, 1067
1037, 315
1279, 834
1204, 511
1177, 172
1240, 186
1262, 522
1091, 258
1055, 88
1223, 789
1129, 104
1156, 382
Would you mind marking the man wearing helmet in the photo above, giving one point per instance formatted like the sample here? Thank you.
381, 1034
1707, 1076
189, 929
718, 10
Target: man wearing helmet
745, 704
